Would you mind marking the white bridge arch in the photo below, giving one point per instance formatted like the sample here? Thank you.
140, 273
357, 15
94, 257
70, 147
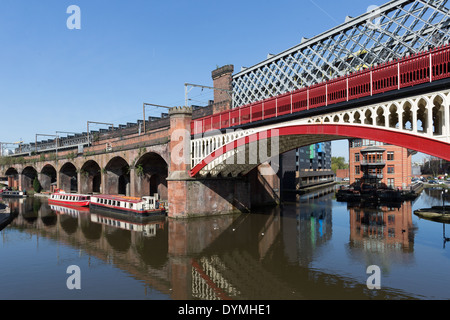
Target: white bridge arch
420, 123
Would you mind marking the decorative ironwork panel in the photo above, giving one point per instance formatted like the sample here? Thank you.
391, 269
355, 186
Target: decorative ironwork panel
388, 32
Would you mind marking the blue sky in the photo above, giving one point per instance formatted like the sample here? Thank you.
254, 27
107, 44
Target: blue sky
130, 52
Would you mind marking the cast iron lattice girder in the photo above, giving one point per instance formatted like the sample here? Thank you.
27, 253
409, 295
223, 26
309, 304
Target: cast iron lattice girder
391, 31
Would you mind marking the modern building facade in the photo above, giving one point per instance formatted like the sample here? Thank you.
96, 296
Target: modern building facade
377, 163
307, 166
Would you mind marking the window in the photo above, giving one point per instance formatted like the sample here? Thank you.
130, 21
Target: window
390, 155
357, 170
390, 169
356, 157
391, 182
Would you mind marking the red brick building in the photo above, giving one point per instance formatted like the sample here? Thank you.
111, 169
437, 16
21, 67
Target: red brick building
379, 163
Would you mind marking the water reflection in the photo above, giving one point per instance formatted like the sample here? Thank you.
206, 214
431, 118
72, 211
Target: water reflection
315, 249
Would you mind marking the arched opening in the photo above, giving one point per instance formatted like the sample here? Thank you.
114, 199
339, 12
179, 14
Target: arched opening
13, 178
68, 178
357, 117
438, 114
346, 118
48, 177
393, 116
407, 117
380, 119
117, 177
90, 177
151, 172
368, 117
28, 176
422, 116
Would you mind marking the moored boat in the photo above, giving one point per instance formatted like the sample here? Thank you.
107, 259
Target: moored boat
145, 206
435, 213
13, 194
69, 199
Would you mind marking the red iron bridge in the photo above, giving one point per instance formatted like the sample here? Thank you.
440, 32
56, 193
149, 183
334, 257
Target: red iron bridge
403, 102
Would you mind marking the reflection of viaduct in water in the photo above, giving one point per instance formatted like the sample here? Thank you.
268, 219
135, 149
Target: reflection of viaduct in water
235, 272
142, 254
205, 258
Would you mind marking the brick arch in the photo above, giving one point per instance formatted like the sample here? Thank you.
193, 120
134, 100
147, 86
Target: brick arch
47, 176
151, 172
68, 177
13, 177
29, 173
116, 176
90, 177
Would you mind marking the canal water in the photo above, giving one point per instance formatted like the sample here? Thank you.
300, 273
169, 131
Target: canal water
313, 248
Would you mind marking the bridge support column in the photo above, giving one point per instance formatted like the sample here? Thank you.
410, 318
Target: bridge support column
132, 182
190, 197
79, 182
58, 178
206, 197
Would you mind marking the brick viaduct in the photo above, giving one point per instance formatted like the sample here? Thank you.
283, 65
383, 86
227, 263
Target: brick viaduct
134, 163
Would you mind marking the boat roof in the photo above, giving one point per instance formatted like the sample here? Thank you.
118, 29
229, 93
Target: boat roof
119, 198
72, 194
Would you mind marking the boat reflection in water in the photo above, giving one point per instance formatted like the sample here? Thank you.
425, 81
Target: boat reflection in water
69, 210
148, 228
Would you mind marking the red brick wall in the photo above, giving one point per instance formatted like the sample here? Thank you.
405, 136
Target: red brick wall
222, 79
342, 173
401, 164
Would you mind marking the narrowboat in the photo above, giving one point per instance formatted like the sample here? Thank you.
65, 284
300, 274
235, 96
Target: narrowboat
13, 194
145, 206
69, 199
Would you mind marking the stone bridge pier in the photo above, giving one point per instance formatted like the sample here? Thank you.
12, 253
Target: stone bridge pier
189, 197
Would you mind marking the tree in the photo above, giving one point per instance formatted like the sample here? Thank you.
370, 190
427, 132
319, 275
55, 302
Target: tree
338, 163
37, 185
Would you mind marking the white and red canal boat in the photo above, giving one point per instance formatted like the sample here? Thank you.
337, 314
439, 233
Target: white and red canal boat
145, 206
69, 199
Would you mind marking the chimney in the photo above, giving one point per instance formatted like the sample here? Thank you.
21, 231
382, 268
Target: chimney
222, 79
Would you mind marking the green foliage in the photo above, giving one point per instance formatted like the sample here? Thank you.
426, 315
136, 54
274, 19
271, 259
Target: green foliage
139, 170
338, 163
37, 185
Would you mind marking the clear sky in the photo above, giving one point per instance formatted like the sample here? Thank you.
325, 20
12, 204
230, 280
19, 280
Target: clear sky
128, 52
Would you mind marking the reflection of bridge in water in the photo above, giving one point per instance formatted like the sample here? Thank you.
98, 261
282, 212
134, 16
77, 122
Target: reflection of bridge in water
226, 257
